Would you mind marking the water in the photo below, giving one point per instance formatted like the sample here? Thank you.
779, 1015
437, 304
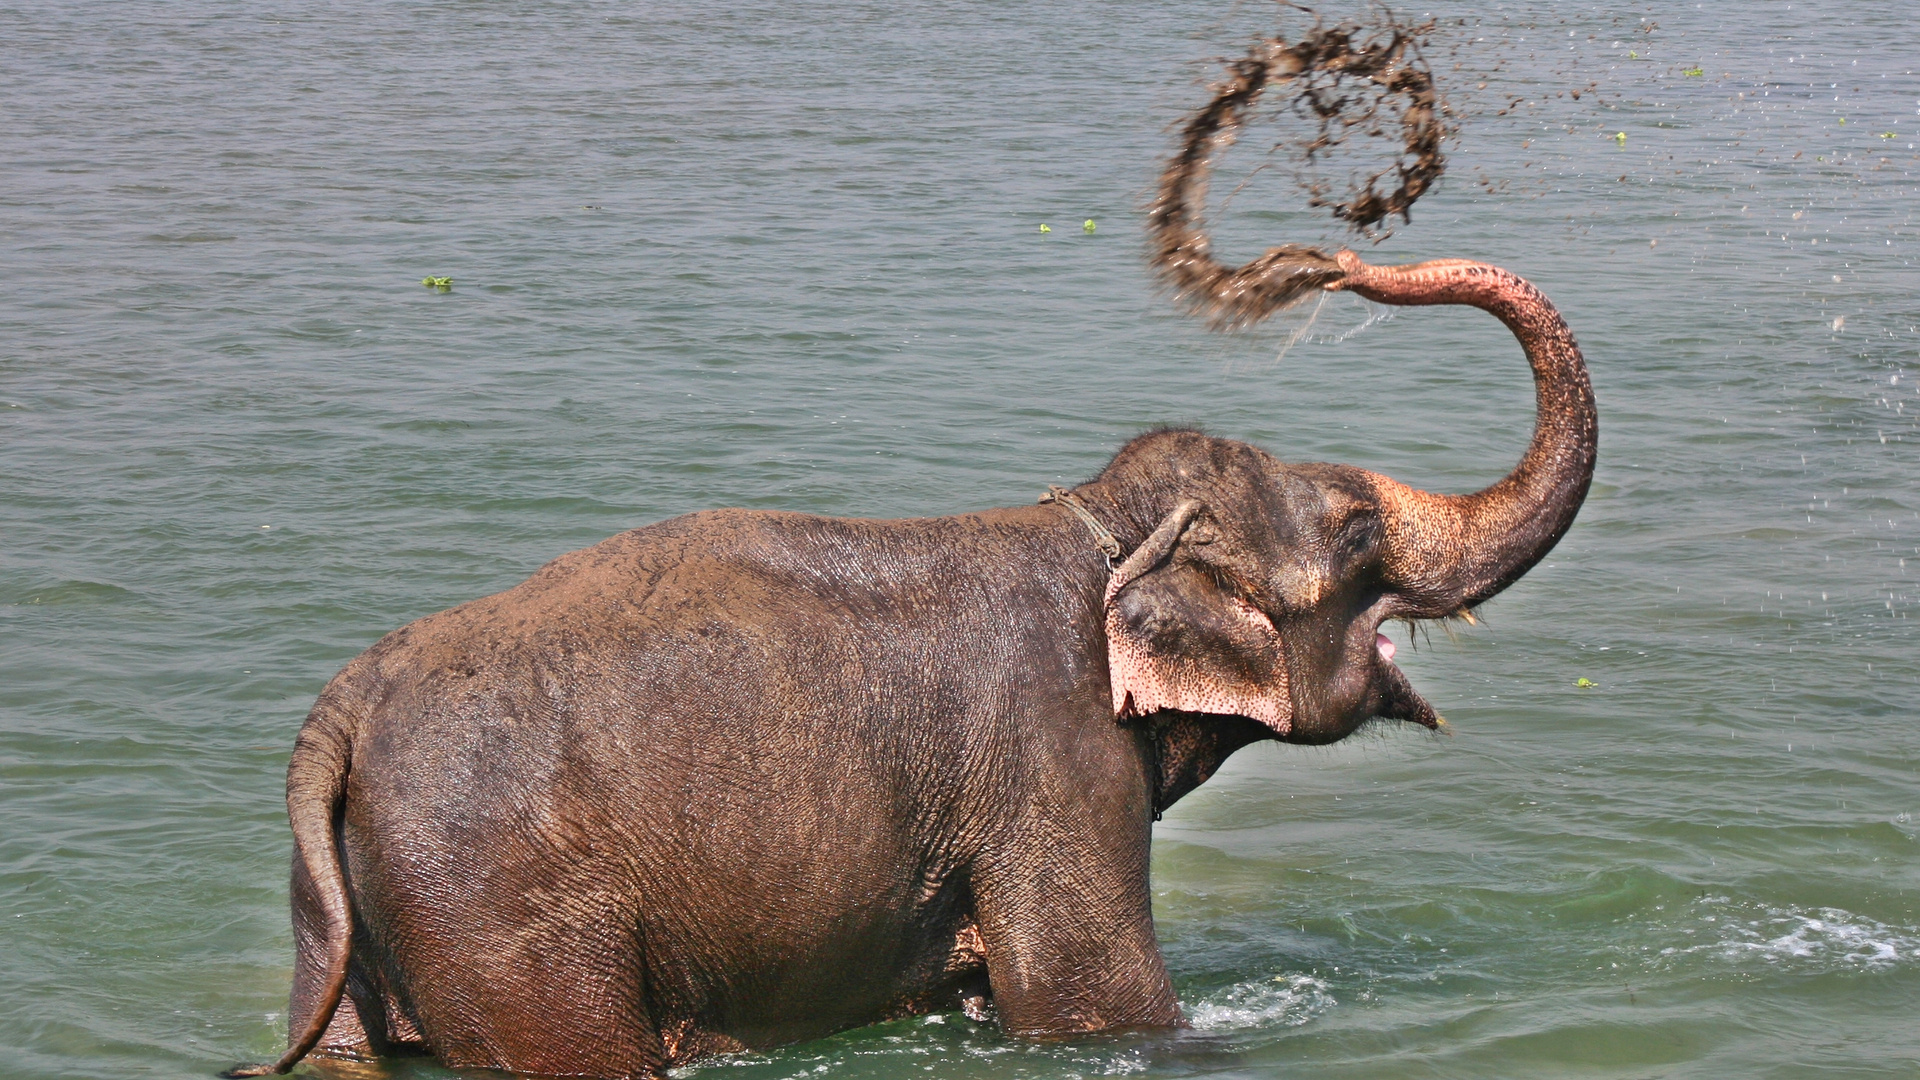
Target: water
785, 256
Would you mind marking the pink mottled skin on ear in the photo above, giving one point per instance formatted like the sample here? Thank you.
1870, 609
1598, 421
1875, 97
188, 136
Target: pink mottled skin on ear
1145, 681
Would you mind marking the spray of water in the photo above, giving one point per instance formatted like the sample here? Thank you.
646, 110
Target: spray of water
1363, 79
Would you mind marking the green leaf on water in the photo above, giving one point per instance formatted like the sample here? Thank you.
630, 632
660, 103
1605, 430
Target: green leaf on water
1585, 684
1693, 72
441, 283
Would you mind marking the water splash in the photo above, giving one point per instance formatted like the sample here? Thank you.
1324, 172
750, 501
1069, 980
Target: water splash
1281, 1001
1807, 940
1366, 79
1304, 330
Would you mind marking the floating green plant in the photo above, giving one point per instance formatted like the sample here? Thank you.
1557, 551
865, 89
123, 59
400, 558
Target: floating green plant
1620, 137
1585, 684
1089, 226
1046, 228
1694, 72
441, 283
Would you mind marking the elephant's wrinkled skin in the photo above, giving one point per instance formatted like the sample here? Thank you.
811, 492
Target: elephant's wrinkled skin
742, 778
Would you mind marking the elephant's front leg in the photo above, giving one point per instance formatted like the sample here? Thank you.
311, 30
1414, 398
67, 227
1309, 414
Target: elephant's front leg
1069, 940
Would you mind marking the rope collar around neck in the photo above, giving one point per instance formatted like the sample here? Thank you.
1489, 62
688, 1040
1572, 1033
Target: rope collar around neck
1103, 538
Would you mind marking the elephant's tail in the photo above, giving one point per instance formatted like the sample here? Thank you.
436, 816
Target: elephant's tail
316, 783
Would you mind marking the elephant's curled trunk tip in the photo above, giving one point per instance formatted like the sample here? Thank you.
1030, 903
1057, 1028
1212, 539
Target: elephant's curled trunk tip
1232, 297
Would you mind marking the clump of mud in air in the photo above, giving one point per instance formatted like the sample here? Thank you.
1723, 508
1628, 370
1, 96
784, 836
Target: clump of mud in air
1360, 78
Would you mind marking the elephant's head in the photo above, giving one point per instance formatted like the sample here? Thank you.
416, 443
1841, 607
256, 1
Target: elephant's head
1259, 587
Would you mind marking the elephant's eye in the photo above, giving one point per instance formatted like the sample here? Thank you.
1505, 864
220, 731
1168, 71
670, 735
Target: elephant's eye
1358, 533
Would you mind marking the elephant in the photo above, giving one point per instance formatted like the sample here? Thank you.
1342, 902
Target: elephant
743, 778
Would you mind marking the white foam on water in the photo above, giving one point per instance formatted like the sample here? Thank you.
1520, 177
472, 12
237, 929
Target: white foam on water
1820, 939
1282, 1001
916, 1047
1125, 1064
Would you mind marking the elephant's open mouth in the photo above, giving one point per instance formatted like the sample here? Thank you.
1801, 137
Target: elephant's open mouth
1397, 699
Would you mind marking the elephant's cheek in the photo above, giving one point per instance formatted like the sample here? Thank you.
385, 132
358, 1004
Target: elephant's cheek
1334, 691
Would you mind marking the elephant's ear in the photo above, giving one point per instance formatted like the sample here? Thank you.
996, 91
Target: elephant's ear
1176, 639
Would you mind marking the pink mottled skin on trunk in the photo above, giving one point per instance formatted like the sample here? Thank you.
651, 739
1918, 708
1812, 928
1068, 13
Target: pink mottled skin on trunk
1453, 551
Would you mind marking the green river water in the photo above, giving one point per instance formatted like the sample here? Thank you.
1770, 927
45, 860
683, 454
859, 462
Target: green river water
779, 255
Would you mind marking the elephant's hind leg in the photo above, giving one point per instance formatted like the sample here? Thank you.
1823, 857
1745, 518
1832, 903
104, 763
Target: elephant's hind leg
551, 1025
564, 1003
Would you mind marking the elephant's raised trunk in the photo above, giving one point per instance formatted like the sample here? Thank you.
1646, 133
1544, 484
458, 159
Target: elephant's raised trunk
1448, 552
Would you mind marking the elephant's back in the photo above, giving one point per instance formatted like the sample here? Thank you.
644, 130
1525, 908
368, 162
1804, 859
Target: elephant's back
699, 645
695, 616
